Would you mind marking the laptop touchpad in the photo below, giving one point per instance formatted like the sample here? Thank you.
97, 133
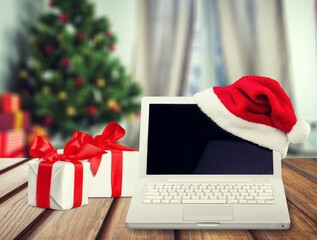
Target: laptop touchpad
207, 213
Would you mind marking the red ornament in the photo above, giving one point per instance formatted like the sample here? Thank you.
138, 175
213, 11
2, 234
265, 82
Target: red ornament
48, 120
51, 4
64, 62
63, 18
80, 36
112, 47
48, 48
79, 82
108, 33
92, 110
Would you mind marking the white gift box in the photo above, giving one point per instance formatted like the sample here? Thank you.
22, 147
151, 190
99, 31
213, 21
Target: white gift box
100, 184
62, 184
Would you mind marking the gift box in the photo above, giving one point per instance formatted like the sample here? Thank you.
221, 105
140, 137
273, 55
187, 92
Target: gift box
16, 120
59, 180
114, 173
116, 176
12, 143
58, 185
10, 102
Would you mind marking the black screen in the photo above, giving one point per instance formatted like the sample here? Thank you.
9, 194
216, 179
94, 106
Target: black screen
183, 140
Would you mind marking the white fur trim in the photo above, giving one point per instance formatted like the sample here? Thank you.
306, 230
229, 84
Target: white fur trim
299, 132
260, 134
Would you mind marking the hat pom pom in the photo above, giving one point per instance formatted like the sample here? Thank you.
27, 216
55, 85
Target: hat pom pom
299, 132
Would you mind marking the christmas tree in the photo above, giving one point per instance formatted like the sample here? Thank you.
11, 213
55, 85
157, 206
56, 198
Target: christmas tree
72, 79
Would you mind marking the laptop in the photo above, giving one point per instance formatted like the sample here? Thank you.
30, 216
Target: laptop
195, 175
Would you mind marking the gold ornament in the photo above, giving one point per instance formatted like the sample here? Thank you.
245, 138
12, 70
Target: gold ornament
37, 64
33, 40
113, 105
70, 111
46, 89
97, 38
23, 74
59, 37
130, 117
62, 95
101, 82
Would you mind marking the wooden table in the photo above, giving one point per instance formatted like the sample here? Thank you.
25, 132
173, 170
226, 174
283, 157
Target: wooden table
104, 218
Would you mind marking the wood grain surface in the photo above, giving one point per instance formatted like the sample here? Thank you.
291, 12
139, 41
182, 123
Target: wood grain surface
104, 218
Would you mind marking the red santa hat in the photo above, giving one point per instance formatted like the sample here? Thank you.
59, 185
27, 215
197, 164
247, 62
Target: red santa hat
256, 109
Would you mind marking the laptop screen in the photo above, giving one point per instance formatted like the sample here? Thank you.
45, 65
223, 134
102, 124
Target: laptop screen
183, 140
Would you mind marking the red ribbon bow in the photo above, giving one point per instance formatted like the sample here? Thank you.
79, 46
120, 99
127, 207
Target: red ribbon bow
109, 137
74, 151
108, 141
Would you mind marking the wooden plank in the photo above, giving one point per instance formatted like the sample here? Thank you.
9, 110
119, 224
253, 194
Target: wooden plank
305, 166
7, 162
78, 223
16, 215
12, 179
302, 227
114, 226
301, 192
214, 234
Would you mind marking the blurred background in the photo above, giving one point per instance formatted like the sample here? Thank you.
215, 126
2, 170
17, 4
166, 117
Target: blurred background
78, 65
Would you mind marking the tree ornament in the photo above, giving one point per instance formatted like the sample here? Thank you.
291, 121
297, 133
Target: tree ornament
23, 74
80, 36
101, 82
46, 90
113, 105
51, 4
70, 111
62, 95
64, 62
48, 120
92, 110
63, 18
48, 48
97, 38
79, 82
32, 40
112, 47
34, 64
108, 33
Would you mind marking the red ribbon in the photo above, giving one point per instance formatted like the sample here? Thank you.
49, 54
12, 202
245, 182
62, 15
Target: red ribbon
74, 151
108, 141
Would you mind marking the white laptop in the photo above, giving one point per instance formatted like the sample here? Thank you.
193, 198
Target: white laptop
195, 175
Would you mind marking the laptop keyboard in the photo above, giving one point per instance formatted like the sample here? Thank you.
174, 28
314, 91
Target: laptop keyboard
208, 193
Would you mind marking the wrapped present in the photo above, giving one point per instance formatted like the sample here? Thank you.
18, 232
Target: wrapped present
113, 174
10, 102
59, 180
12, 143
14, 120
116, 176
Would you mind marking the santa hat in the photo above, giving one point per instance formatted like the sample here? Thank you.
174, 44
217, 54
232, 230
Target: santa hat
256, 109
